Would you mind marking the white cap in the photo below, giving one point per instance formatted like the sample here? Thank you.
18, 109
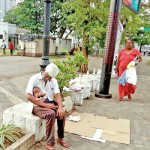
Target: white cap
52, 70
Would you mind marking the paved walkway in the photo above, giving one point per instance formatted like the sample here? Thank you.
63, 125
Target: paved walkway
14, 75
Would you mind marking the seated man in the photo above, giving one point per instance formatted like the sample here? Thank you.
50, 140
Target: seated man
48, 84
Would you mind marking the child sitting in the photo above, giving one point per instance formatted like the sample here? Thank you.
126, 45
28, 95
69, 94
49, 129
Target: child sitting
37, 93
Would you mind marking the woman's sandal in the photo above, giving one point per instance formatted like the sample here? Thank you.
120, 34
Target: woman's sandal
63, 143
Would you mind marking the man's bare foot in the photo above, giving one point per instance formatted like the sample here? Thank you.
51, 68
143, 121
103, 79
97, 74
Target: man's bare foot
63, 142
50, 147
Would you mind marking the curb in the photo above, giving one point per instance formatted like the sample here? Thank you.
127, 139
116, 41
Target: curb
23, 143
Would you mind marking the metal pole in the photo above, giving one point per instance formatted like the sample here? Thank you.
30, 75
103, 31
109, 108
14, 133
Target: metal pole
46, 34
110, 42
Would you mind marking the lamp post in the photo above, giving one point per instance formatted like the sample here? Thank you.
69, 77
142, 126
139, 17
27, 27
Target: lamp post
113, 21
46, 34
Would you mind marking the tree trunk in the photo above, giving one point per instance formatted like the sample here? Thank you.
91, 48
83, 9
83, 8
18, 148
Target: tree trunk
85, 42
84, 67
62, 31
141, 47
68, 34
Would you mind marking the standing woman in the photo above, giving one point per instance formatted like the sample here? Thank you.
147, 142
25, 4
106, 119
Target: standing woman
11, 47
126, 55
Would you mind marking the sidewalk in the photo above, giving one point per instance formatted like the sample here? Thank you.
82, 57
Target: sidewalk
14, 75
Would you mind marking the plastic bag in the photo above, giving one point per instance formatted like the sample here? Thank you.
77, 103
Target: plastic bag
131, 76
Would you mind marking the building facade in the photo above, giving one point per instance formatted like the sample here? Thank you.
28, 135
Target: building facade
6, 30
6, 5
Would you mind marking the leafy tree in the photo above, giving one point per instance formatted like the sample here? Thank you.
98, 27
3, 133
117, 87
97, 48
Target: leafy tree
29, 14
135, 22
58, 20
85, 19
10, 16
142, 38
88, 20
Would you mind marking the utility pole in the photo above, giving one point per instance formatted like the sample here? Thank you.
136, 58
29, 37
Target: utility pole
46, 34
110, 42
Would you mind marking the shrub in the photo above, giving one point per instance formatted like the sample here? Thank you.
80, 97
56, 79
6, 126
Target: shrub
68, 68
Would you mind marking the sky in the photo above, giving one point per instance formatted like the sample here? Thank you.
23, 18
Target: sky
146, 1
17, 1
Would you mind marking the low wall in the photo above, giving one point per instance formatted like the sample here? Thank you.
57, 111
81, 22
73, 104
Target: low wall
35, 48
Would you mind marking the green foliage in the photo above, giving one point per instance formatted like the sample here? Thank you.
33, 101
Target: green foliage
58, 20
142, 38
8, 133
134, 23
29, 14
85, 19
145, 16
10, 16
68, 68
88, 20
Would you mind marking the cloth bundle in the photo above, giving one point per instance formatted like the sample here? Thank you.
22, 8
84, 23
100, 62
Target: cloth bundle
129, 75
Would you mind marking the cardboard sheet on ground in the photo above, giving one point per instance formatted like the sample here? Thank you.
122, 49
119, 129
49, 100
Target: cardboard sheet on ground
117, 130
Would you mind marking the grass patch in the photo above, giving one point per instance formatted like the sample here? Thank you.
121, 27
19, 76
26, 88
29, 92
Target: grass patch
148, 62
15, 53
57, 56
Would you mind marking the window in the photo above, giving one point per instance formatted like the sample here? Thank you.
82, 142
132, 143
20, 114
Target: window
1, 36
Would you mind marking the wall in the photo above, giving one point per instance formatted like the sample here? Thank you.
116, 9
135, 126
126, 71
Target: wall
11, 28
35, 48
63, 44
5, 30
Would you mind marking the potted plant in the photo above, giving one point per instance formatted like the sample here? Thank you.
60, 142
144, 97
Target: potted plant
68, 69
9, 134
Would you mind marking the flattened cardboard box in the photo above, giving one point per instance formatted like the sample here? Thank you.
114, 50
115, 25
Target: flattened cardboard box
117, 130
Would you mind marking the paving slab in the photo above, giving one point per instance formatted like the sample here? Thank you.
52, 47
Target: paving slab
137, 111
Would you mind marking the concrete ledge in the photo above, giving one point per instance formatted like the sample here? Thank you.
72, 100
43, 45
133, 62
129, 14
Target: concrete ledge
21, 116
23, 143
